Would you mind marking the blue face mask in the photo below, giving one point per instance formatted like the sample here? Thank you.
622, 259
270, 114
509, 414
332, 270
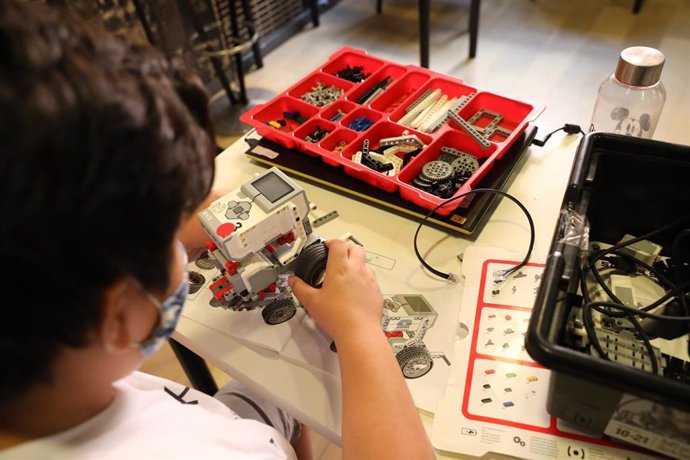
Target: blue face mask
169, 310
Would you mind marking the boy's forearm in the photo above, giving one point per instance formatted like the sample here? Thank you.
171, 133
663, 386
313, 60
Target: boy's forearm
379, 417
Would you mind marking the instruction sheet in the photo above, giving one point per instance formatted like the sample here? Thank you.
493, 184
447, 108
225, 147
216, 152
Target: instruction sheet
419, 322
495, 399
421, 311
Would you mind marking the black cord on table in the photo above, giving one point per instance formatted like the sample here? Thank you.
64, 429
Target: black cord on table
568, 128
450, 276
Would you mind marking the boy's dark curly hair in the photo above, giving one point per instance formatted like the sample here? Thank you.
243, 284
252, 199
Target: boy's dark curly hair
104, 149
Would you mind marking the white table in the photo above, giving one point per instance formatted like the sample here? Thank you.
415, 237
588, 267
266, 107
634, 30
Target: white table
314, 398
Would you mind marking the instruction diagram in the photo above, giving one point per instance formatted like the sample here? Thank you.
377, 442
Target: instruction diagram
420, 327
496, 395
418, 320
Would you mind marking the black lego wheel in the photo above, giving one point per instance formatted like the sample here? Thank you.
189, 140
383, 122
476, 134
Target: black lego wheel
311, 264
414, 361
196, 281
279, 311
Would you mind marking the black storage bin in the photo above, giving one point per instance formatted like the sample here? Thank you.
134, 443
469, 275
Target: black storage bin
620, 185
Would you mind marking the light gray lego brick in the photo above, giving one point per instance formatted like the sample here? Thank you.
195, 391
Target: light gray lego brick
209, 222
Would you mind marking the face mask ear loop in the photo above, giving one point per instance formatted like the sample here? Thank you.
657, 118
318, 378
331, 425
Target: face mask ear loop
151, 344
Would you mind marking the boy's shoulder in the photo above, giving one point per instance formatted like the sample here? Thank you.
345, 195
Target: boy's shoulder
141, 390
153, 417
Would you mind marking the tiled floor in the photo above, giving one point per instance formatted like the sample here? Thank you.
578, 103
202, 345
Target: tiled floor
551, 52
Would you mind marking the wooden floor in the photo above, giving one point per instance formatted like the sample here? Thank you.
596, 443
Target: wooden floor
554, 53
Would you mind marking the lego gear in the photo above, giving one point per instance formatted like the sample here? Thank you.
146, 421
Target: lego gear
421, 183
437, 170
465, 164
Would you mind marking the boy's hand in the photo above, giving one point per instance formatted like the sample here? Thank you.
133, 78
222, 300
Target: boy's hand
349, 304
192, 234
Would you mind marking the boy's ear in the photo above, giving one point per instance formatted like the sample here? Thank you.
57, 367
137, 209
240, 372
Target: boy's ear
114, 332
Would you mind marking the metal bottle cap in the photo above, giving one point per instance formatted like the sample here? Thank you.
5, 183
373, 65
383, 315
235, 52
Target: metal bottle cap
640, 66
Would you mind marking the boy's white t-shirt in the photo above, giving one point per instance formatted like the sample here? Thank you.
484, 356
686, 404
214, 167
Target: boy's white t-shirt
156, 418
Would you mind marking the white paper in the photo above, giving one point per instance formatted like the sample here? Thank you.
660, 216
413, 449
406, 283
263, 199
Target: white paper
309, 348
496, 394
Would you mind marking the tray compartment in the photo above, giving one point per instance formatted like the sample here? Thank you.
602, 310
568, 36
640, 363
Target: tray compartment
310, 83
513, 114
400, 91
309, 128
455, 140
335, 109
381, 130
357, 114
353, 59
424, 116
364, 94
275, 110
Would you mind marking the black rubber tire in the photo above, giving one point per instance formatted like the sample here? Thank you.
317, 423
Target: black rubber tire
279, 311
410, 358
204, 262
196, 281
311, 264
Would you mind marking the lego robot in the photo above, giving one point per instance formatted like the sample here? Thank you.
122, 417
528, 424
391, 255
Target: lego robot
260, 234
406, 319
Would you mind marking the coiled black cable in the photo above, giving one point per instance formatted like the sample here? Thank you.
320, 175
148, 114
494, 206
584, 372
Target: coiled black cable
630, 312
448, 276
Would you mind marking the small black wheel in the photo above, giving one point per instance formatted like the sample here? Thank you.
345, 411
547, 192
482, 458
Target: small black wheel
204, 262
196, 281
414, 361
279, 311
311, 264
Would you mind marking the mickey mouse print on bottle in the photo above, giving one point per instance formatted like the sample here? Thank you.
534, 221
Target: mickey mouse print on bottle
630, 101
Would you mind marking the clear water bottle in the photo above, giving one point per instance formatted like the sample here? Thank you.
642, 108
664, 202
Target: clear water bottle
630, 101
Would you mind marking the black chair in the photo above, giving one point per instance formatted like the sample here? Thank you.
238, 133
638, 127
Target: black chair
217, 36
637, 6
424, 6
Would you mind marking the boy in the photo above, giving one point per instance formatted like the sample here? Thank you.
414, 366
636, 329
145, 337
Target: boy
106, 154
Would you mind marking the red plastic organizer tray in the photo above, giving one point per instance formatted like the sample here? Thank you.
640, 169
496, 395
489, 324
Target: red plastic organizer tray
407, 84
